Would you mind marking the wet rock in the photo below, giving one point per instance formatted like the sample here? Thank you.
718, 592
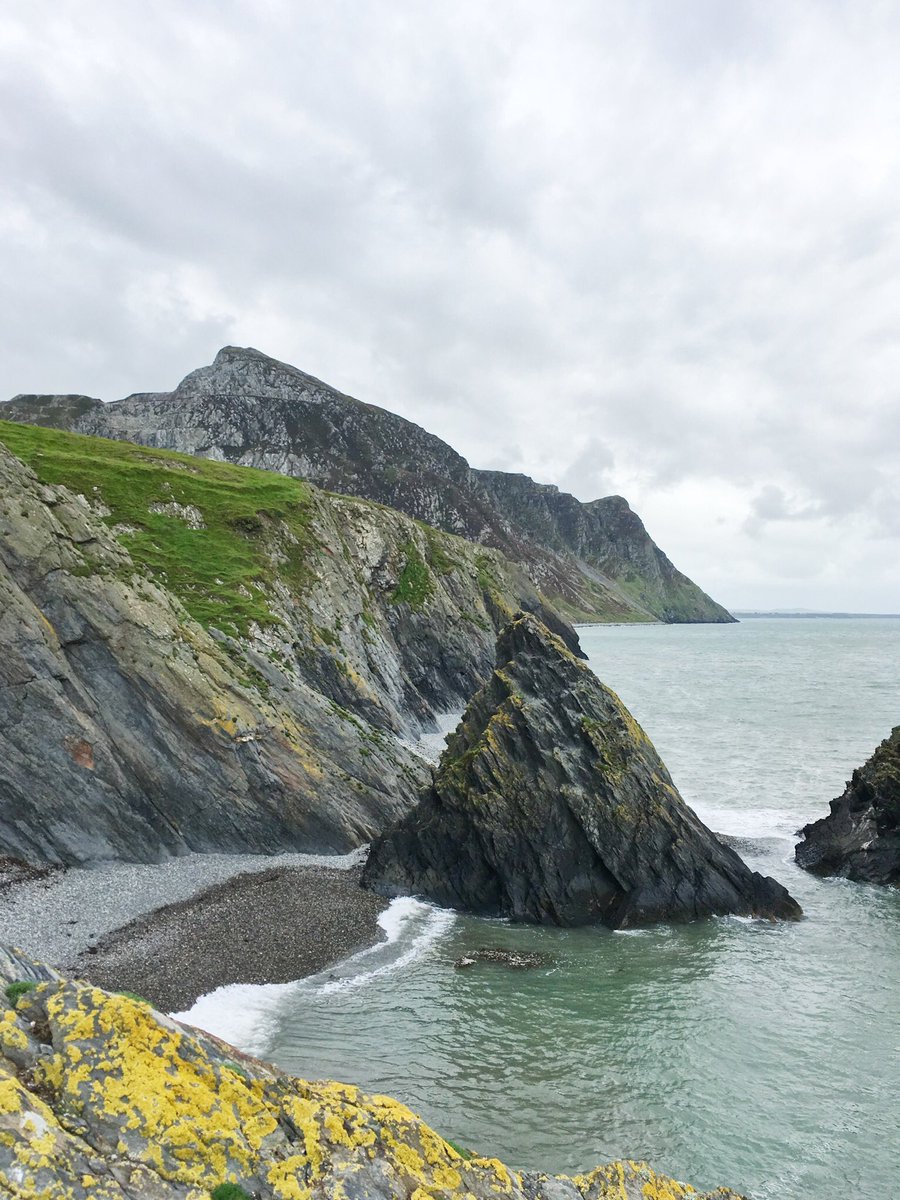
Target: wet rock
516, 960
551, 805
860, 838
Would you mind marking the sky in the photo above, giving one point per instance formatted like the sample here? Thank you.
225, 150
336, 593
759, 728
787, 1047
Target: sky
645, 247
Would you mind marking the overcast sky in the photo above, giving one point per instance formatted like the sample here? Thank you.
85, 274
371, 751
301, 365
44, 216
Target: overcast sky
640, 246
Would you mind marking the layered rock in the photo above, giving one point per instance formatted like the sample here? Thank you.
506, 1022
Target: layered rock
551, 805
595, 559
205, 657
860, 837
101, 1098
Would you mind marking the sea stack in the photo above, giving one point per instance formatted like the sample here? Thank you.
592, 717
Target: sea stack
860, 837
551, 805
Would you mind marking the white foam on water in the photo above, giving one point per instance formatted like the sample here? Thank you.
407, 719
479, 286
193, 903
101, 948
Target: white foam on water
246, 1014
243, 1014
750, 823
410, 927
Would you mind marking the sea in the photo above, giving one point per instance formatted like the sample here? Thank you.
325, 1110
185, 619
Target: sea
764, 1056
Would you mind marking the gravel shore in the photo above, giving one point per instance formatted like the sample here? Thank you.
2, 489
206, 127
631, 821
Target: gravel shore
172, 931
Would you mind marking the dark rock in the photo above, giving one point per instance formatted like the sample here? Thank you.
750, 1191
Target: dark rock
860, 838
516, 960
551, 805
595, 559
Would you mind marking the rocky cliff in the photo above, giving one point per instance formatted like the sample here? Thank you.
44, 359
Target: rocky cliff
595, 560
101, 1098
551, 805
860, 837
201, 656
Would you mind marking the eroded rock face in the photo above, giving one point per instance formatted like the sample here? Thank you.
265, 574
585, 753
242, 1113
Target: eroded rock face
551, 805
102, 1098
129, 729
248, 408
860, 838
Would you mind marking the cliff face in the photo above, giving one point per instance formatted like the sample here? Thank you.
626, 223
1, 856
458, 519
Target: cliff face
860, 837
101, 1098
200, 656
595, 560
551, 805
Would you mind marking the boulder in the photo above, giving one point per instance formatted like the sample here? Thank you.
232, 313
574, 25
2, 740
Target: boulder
860, 837
551, 805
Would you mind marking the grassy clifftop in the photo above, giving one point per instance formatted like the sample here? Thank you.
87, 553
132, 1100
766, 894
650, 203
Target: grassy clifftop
195, 524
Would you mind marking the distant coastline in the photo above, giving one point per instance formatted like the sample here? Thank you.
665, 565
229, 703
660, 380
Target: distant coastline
745, 614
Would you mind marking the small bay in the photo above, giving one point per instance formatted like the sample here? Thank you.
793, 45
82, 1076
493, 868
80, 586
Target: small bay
762, 1056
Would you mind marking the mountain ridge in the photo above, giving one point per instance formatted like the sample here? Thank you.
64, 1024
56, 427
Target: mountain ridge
595, 560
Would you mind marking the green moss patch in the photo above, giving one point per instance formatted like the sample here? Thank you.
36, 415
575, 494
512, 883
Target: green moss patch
15, 991
415, 585
220, 572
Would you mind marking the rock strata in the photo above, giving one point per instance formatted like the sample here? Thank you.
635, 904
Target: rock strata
860, 838
551, 805
206, 657
102, 1098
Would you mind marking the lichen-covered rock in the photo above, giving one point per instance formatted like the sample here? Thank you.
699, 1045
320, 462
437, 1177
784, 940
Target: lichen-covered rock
248, 408
860, 838
551, 805
102, 1098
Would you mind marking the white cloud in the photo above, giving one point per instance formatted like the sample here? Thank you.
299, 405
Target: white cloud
637, 247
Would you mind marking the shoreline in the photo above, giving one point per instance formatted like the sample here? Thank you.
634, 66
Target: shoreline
173, 931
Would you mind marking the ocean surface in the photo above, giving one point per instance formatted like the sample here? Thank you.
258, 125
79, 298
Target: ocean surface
762, 1056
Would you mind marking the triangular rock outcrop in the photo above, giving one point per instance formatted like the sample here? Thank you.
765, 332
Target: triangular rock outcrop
551, 805
860, 837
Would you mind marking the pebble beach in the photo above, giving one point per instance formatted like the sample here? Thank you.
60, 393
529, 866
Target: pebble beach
174, 930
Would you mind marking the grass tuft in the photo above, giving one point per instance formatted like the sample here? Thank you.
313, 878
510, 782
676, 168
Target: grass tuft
415, 585
15, 991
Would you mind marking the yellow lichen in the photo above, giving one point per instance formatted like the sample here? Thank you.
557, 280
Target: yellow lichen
12, 1036
124, 1079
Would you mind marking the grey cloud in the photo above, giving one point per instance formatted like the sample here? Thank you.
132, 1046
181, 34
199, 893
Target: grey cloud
652, 247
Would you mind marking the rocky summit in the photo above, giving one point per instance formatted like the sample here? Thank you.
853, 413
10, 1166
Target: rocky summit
860, 837
102, 1098
551, 805
595, 561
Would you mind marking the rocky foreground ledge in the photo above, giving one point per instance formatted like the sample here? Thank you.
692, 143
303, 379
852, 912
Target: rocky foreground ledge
102, 1098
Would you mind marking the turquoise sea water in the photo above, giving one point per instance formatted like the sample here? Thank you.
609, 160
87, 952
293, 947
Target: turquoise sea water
732, 1052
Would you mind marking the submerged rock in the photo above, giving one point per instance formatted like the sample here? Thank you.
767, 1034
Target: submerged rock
516, 960
860, 838
102, 1098
551, 805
